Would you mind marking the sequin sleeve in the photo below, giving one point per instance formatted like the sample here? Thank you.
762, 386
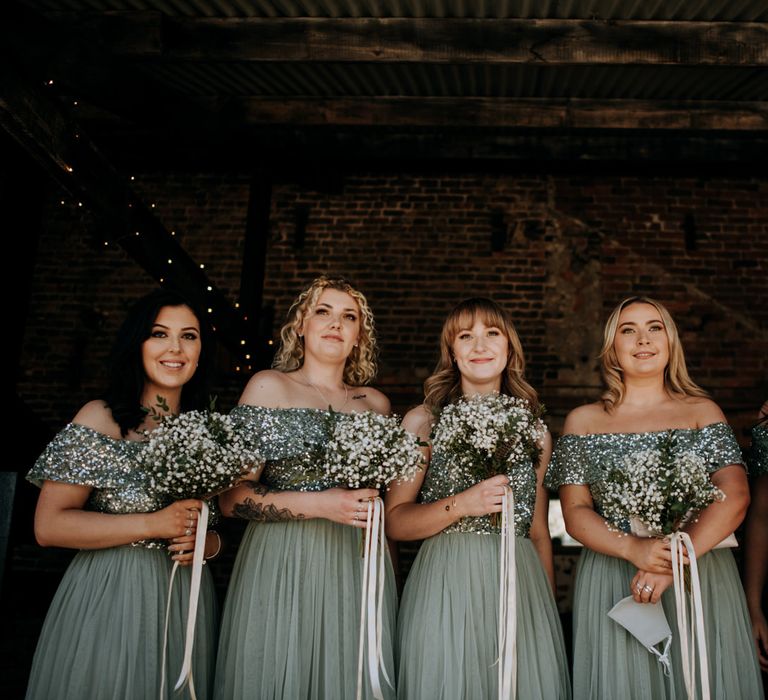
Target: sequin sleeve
718, 445
758, 453
569, 464
82, 456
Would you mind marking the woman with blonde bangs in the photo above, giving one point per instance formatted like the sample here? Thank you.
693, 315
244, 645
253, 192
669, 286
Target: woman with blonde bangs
449, 617
648, 395
290, 623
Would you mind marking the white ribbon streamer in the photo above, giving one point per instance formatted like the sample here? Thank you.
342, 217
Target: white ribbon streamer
507, 672
692, 638
371, 607
194, 595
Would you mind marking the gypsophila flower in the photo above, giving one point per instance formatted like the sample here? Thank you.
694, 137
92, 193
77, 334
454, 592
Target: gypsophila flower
659, 488
196, 454
368, 450
486, 433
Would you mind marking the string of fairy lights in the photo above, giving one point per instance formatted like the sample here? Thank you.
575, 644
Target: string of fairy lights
170, 265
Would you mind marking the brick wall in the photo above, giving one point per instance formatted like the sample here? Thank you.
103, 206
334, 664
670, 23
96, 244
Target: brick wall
418, 242
415, 243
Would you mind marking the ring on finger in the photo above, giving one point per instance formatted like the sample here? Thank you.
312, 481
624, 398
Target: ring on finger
639, 587
188, 532
649, 589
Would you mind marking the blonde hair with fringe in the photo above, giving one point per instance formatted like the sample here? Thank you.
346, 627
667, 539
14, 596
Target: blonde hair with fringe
360, 367
677, 381
444, 385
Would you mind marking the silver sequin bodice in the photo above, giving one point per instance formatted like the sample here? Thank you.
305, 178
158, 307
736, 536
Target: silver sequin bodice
445, 478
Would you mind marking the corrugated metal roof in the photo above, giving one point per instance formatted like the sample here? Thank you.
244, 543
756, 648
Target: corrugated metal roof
318, 79
688, 10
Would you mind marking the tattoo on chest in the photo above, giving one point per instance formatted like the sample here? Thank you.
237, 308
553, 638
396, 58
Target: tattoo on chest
264, 512
358, 396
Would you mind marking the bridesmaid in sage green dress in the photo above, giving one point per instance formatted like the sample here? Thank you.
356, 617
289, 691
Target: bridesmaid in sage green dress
648, 393
291, 617
449, 615
103, 635
756, 531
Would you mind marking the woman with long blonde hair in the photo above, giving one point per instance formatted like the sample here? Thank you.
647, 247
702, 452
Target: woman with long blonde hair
648, 397
449, 616
290, 622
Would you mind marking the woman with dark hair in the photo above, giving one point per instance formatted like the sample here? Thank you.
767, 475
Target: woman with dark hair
290, 622
103, 635
756, 530
449, 618
648, 396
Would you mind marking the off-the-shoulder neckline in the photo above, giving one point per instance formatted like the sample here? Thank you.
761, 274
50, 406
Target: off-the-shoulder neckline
297, 408
99, 434
648, 432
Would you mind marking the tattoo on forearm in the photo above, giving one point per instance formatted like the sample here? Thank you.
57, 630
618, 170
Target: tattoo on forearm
264, 512
257, 487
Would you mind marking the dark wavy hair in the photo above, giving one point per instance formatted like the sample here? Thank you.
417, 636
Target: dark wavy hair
126, 369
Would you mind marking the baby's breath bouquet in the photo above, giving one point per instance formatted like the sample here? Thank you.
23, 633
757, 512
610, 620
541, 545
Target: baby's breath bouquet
195, 454
656, 491
486, 433
368, 450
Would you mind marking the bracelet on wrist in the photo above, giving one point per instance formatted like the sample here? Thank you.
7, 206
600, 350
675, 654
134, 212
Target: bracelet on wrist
218, 549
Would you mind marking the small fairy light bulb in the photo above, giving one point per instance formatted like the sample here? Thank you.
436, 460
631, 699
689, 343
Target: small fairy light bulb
209, 288
271, 342
242, 342
106, 243
152, 205
69, 168
237, 305
202, 267
170, 262
132, 178
210, 311
247, 357
75, 103
62, 202
173, 233
237, 369
162, 279
137, 233
79, 204
49, 82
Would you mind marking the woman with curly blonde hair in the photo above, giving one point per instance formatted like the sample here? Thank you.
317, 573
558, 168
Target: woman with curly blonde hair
449, 617
648, 398
290, 623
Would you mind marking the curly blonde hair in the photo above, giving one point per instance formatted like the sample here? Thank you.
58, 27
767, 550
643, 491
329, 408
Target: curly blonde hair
360, 367
677, 381
444, 385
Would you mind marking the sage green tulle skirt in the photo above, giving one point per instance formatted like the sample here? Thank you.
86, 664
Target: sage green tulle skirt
448, 623
103, 636
290, 625
610, 663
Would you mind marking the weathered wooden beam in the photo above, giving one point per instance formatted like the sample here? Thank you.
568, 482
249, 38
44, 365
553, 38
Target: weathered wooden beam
498, 112
545, 41
55, 140
285, 148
